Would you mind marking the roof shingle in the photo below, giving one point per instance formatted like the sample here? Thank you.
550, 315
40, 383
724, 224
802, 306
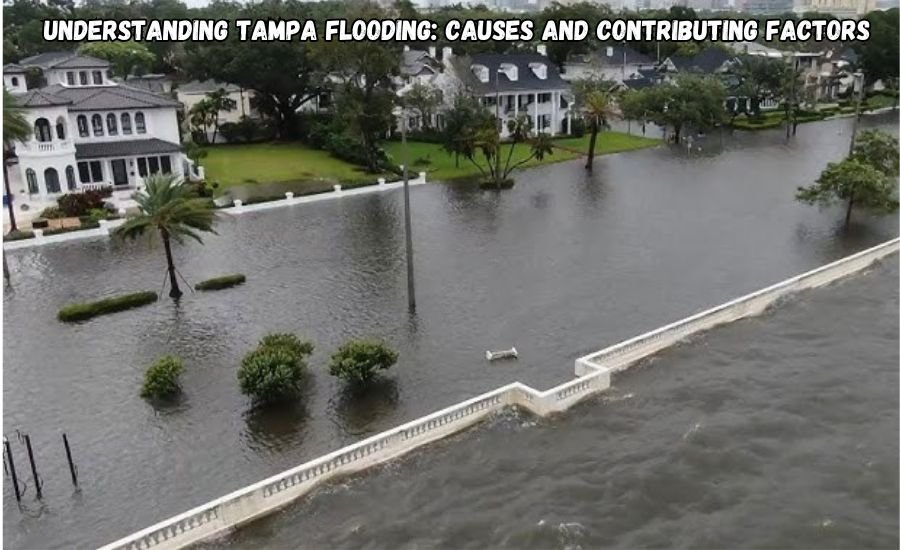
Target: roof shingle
151, 146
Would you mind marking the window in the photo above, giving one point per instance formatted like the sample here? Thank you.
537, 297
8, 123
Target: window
70, 178
154, 164
97, 123
111, 124
15, 81
166, 165
70, 78
98, 77
139, 124
42, 130
31, 177
142, 167
126, 124
61, 128
84, 172
544, 98
51, 180
82, 78
83, 126
96, 171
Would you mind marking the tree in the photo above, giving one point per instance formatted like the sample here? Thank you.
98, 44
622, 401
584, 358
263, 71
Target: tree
423, 101
358, 362
127, 58
692, 101
595, 99
879, 150
274, 370
15, 129
878, 55
480, 142
219, 101
857, 183
202, 116
194, 152
760, 77
175, 212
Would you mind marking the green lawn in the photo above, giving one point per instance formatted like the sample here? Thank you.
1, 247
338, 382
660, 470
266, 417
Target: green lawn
313, 170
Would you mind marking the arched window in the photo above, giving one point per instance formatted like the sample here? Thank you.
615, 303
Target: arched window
97, 123
51, 180
31, 178
15, 81
83, 130
139, 125
42, 130
126, 124
70, 178
61, 128
111, 124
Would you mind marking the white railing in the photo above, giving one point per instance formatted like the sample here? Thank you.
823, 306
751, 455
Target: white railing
232, 510
45, 146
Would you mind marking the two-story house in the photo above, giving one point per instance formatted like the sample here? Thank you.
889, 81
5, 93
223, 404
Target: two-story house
613, 62
523, 83
88, 130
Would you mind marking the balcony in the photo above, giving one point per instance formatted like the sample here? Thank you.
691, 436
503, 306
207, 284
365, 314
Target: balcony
56, 146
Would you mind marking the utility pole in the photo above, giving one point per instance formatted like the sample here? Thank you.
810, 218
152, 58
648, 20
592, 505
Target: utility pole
858, 83
499, 126
410, 276
792, 74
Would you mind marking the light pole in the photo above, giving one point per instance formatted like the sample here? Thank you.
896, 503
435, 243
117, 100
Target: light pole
410, 277
858, 84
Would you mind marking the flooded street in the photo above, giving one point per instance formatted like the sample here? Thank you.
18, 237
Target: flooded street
563, 264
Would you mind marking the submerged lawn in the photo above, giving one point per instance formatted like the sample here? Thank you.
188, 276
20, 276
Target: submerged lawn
233, 165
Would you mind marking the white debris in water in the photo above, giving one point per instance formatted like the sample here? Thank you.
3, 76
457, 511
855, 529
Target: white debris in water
825, 523
692, 430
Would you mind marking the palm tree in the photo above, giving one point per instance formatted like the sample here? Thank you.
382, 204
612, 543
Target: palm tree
15, 128
175, 212
598, 109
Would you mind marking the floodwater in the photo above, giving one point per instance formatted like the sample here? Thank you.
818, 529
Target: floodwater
778, 431
563, 264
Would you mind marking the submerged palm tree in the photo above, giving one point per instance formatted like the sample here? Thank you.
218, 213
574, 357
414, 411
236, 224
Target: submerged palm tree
598, 110
175, 212
15, 128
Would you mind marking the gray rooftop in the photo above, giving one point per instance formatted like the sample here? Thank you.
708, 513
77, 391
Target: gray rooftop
151, 146
40, 98
416, 62
12, 68
527, 80
93, 98
64, 60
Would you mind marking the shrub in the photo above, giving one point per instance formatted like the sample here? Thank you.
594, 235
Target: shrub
79, 204
60, 230
52, 213
161, 379
81, 311
225, 281
269, 375
359, 361
18, 235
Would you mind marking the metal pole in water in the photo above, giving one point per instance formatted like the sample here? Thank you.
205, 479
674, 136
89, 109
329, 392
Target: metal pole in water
410, 276
34, 474
5, 268
12, 469
72, 469
858, 83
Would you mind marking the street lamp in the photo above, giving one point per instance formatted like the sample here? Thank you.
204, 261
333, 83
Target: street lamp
410, 277
858, 81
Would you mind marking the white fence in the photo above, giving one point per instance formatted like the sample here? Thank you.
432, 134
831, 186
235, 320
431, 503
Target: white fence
228, 512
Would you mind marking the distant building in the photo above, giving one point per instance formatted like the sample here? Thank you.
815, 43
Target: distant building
611, 62
838, 8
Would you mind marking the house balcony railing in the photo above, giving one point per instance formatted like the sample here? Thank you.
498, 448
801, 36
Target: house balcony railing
46, 146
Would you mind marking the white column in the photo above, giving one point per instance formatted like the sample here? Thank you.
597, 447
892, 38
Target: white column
536, 120
554, 104
516, 105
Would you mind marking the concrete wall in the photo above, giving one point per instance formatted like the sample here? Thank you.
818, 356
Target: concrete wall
594, 370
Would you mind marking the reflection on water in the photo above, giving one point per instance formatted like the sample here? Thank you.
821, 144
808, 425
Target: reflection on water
563, 264
775, 432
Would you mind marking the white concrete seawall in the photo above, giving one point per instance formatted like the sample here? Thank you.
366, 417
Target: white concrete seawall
106, 226
224, 514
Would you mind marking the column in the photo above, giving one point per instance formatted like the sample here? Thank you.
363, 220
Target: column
516, 105
536, 120
554, 103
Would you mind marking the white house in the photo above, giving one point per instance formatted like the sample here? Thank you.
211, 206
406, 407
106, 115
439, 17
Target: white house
612, 62
87, 130
523, 83
191, 93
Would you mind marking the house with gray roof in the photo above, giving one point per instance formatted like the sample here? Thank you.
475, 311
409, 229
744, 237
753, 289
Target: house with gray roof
522, 83
610, 62
88, 130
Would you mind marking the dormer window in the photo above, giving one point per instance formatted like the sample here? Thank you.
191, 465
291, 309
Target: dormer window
98, 77
510, 70
480, 72
70, 78
539, 70
83, 78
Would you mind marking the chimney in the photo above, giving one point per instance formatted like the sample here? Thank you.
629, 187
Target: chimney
542, 49
432, 51
406, 47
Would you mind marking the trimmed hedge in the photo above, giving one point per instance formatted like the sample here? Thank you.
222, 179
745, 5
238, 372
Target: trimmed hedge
18, 235
218, 283
161, 378
60, 230
82, 311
